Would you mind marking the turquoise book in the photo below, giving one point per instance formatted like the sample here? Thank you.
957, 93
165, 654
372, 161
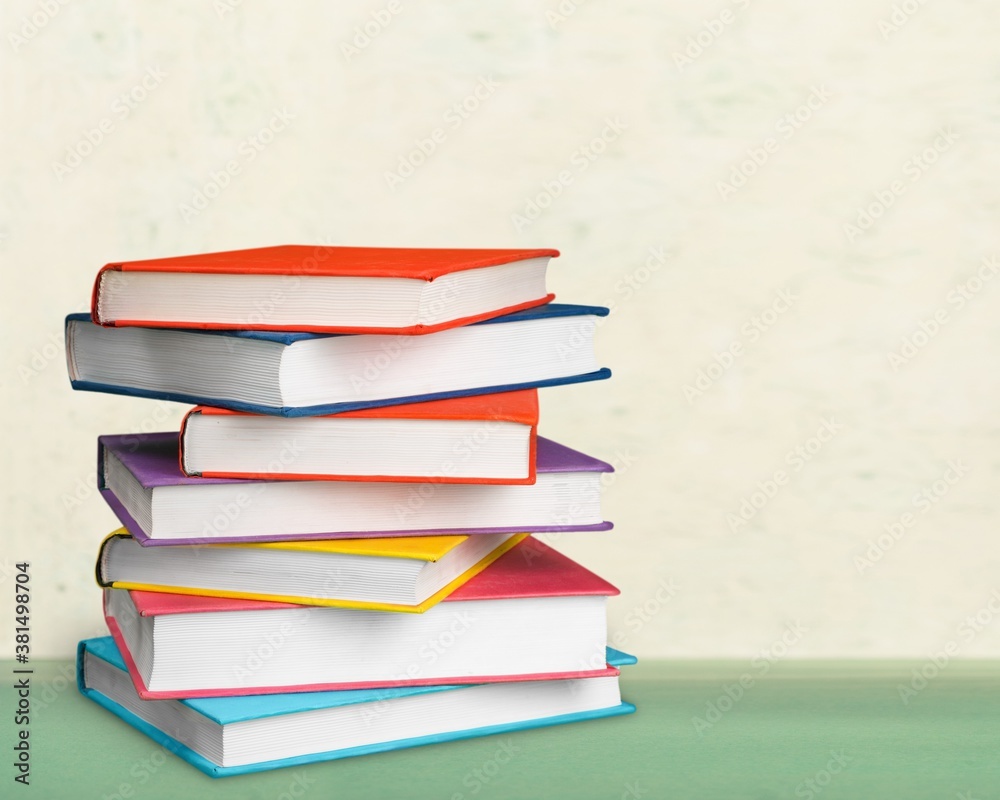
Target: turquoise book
224, 736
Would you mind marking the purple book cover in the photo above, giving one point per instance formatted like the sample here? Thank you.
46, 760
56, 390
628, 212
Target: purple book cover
154, 460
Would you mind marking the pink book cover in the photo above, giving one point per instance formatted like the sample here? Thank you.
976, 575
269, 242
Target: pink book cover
532, 569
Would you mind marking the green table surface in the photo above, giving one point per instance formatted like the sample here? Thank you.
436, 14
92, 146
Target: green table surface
802, 730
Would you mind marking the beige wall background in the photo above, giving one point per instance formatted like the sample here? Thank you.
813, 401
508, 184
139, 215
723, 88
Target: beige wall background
791, 207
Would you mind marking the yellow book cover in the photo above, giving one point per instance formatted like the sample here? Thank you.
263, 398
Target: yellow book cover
421, 548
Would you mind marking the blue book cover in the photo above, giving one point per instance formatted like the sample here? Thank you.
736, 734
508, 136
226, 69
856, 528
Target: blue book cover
549, 311
230, 710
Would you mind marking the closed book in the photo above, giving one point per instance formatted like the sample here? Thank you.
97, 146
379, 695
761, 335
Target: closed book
305, 374
533, 613
139, 476
405, 574
487, 438
322, 289
224, 736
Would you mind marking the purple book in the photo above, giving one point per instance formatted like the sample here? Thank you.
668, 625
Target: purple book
140, 477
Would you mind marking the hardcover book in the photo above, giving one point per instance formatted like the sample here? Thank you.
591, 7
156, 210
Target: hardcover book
303, 374
234, 735
532, 614
140, 478
488, 438
405, 574
322, 289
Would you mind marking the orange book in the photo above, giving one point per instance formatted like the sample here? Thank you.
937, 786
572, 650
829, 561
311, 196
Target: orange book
487, 438
319, 289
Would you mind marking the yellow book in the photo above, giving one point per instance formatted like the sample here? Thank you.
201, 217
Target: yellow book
409, 574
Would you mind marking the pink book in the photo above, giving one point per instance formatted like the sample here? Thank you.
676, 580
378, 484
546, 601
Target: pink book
534, 614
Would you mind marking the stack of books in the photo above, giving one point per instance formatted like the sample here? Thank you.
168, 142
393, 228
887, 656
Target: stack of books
333, 556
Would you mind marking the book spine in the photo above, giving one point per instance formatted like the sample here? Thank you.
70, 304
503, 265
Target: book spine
100, 569
181, 438
95, 297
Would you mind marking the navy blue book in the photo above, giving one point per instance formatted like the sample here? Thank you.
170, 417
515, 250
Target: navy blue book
233, 735
306, 374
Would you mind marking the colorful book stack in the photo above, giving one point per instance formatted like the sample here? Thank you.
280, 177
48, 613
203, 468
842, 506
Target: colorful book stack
333, 556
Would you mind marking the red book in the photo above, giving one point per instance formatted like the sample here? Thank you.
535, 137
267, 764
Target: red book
489, 438
533, 614
320, 289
